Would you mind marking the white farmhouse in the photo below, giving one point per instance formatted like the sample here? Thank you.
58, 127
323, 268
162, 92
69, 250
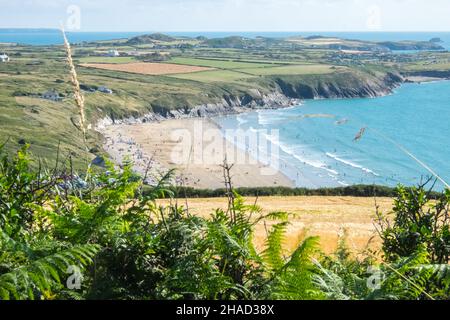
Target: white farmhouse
4, 57
113, 53
105, 90
51, 95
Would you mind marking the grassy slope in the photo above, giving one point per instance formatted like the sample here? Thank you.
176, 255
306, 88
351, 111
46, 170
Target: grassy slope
107, 59
46, 124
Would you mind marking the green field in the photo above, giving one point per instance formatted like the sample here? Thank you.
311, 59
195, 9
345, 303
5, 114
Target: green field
213, 76
219, 64
106, 59
290, 70
438, 66
26, 117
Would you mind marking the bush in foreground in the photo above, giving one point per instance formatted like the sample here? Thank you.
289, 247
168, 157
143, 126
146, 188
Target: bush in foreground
100, 236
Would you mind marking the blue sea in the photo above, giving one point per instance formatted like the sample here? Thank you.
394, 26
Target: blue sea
53, 37
316, 139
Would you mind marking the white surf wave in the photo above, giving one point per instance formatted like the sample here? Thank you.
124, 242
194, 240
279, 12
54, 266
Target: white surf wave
313, 163
351, 164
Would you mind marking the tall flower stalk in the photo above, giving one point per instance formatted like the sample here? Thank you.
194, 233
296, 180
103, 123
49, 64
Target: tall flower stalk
79, 98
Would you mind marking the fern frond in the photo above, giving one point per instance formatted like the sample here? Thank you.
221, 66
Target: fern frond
302, 255
330, 283
41, 275
273, 254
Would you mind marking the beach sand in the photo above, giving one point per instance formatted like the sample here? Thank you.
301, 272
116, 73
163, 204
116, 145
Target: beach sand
158, 143
326, 217
194, 147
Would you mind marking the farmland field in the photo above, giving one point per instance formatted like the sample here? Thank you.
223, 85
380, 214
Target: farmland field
291, 70
440, 66
147, 68
192, 76
106, 59
328, 217
219, 64
214, 76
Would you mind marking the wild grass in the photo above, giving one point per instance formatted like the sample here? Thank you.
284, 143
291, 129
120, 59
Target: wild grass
77, 94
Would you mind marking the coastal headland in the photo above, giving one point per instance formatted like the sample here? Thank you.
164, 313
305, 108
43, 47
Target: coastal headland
184, 77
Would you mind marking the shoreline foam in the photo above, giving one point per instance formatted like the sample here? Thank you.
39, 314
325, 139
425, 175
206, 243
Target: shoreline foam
154, 142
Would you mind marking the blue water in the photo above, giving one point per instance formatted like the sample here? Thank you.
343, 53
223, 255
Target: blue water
318, 151
53, 37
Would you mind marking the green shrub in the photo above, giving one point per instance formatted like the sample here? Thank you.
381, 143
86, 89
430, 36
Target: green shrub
128, 247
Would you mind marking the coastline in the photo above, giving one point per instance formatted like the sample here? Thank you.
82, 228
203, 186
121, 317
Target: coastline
127, 137
157, 144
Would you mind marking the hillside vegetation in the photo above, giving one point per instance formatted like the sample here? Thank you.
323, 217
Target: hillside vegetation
246, 72
97, 236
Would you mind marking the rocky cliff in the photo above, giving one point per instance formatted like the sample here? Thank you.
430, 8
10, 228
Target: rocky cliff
286, 92
346, 85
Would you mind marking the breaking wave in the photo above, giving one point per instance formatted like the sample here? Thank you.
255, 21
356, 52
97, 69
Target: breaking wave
351, 164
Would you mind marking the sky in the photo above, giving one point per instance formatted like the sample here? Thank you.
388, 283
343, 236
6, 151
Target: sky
228, 15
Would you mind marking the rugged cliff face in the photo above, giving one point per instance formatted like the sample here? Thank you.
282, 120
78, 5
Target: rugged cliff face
346, 85
286, 91
228, 105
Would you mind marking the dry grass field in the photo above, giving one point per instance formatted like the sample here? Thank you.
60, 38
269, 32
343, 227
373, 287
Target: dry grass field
326, 217
147, 67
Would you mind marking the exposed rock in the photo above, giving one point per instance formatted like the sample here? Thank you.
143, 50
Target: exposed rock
99, 161
286, 94
411, 45
353, 87
228, 105
51, 95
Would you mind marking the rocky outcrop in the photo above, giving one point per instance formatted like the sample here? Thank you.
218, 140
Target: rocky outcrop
351, 87
411, 45
287, 92
228, 105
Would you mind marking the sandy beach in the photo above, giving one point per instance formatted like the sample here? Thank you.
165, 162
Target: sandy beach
195, 148
159, 143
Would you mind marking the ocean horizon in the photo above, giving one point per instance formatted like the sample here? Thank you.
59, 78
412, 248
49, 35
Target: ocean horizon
53, 36
318, 151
